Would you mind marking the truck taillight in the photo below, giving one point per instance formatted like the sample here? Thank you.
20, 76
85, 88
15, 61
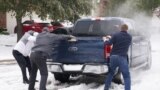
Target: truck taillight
107, 51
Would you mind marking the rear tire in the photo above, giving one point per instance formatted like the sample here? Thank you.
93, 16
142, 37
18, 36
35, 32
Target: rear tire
61, 77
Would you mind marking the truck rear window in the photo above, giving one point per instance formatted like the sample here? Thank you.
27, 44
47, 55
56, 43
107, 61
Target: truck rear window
96, 27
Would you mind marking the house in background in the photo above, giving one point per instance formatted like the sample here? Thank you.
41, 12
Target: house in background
100, 8
2, 20
9, 22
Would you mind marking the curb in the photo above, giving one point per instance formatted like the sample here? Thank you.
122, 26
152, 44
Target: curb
8, 62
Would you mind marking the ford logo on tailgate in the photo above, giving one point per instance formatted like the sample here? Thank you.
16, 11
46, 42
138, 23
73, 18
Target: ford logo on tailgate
73, 49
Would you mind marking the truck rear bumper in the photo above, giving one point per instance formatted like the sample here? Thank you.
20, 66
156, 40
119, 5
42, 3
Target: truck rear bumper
88, 68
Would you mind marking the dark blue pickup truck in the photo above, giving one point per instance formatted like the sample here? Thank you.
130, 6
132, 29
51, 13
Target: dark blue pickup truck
87, 54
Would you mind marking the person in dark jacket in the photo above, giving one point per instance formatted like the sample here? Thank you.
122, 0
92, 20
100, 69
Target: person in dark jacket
121, 42
44, 45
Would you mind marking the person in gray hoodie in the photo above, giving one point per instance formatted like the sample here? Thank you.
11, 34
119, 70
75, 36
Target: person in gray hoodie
44, 45
21, 52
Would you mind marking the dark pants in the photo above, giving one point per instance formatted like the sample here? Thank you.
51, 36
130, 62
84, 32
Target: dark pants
38, 61
122, 63
23, 62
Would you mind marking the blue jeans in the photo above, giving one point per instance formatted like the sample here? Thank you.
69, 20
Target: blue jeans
122, 63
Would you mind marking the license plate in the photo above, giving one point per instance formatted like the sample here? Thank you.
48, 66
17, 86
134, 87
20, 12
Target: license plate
72, 67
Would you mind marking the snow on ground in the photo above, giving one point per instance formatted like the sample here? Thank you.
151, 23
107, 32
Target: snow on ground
7, 43
150, 79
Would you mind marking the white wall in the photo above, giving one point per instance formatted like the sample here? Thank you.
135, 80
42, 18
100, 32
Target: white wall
10, 23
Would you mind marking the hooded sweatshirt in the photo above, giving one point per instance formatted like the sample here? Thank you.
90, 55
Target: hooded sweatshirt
46, 42
26, 43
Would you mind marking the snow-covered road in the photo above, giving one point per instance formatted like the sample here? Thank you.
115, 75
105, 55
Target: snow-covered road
150, 79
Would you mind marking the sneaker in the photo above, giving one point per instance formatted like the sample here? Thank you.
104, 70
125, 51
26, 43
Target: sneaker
26, 81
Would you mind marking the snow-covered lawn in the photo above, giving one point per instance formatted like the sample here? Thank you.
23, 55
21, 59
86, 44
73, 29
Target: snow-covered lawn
6, 45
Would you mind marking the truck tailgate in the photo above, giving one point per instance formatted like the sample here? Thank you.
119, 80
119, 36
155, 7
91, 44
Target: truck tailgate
83, 50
